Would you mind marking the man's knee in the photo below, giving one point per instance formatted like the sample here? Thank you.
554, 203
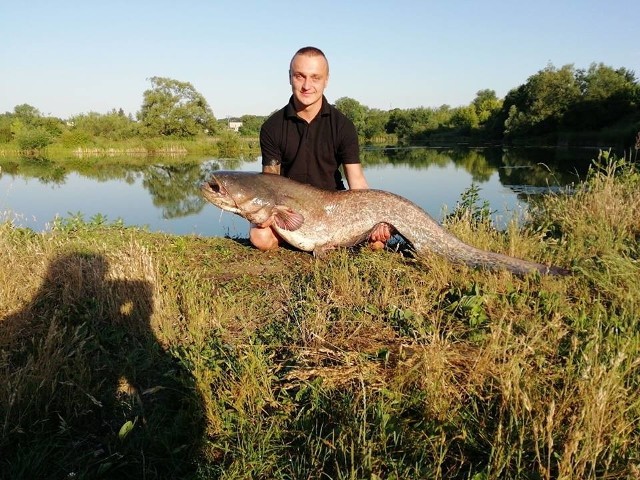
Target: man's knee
263, 239
376, 245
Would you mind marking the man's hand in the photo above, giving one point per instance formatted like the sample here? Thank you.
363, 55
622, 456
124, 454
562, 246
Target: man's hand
379, 236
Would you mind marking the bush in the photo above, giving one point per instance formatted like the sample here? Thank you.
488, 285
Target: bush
5, 133
229, 145
33, 139
152, 145
75, 138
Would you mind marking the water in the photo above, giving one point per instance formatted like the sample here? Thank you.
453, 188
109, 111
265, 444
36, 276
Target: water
166, 198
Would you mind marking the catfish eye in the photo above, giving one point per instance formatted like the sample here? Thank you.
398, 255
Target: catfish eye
215, 186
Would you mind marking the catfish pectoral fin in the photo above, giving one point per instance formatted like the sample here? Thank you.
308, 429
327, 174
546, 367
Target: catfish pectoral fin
287, 219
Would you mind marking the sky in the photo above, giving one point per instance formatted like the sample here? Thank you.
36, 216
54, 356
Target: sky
71, 57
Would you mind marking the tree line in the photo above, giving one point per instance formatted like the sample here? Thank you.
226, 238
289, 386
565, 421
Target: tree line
554, 106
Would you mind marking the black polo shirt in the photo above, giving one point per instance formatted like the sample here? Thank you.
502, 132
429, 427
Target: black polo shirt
310, 152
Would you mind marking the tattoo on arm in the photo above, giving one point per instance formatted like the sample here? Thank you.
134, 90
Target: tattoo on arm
275, 169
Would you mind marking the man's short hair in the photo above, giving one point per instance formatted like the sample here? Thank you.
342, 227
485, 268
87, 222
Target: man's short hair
310, 52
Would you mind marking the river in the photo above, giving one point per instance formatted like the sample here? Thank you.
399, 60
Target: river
164, 196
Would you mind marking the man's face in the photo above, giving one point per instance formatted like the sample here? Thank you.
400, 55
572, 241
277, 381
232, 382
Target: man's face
308, 78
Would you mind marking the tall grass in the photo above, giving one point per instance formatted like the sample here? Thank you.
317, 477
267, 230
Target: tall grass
127, 354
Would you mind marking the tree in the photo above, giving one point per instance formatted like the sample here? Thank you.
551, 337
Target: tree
175, 108
251, 125
33, 138
551, 92
414, 123
433, 119
354, 111
405, 123
26, 113
607, 96
465, 119
114, 125
399, 123
516, 122
486, 104
374, 123
540, 104
600, 82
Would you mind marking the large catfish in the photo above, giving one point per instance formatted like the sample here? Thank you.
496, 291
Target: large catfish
316, 220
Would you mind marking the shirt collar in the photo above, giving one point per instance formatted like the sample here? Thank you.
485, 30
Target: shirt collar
291, 109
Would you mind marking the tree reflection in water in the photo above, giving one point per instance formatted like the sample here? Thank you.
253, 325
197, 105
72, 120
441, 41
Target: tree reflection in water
164, 195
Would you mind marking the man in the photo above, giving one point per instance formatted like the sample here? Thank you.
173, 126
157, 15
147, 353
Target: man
308, 140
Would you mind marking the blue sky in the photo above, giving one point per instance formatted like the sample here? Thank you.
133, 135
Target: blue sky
71, 57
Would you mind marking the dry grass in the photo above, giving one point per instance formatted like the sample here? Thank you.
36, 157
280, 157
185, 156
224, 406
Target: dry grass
137, 355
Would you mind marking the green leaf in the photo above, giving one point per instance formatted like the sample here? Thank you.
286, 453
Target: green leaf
126, 429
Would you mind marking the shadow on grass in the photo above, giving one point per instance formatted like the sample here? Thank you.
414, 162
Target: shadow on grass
86, 389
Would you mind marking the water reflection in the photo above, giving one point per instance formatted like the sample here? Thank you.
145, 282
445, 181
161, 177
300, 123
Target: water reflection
517, 166
174, 188
165, 196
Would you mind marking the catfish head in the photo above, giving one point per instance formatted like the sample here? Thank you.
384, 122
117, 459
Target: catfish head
254, 196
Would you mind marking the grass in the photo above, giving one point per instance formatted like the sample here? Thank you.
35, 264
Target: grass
129, 354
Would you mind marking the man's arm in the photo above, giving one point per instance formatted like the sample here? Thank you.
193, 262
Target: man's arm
270, 149
355, 176
274, 169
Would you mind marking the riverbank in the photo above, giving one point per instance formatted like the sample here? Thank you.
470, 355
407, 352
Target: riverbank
132, 354
232, 145
228, 145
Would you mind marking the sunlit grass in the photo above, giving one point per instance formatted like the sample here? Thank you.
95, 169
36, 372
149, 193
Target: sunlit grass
128, 354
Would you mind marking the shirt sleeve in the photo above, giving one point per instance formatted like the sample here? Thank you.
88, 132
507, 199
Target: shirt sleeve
270, 147
348, 146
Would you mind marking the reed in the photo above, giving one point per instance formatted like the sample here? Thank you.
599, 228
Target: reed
172, 150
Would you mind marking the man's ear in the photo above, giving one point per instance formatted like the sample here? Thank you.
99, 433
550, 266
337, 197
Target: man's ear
290, 78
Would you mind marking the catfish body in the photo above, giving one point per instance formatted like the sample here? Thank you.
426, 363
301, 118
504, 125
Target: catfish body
312, 219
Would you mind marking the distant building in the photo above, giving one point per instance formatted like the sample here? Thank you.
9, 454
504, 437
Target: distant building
234, 124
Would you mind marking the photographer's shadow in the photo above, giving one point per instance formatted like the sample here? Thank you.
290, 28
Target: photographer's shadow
94, 391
